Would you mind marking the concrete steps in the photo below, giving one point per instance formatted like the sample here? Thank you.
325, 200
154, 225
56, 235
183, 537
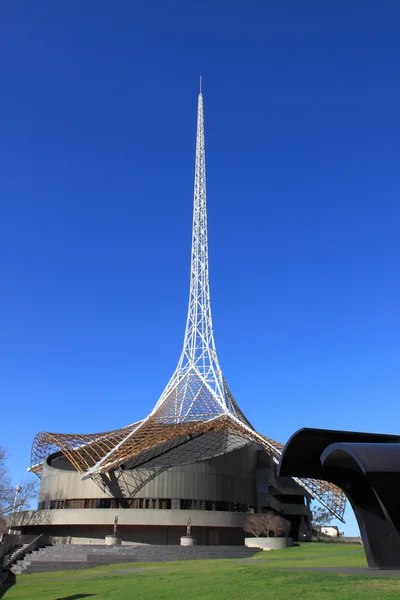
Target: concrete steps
63, 557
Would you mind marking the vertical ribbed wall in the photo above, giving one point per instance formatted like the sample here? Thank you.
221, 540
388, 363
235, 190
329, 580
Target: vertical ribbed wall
228, 478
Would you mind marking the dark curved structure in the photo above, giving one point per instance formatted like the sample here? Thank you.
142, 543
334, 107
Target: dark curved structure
366, 466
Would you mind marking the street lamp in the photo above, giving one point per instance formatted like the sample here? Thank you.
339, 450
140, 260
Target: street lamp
18, 490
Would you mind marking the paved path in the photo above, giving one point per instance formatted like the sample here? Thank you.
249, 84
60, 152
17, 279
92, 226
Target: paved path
347, 571
300, 558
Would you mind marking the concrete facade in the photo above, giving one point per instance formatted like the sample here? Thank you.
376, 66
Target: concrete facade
90, 526
216, 494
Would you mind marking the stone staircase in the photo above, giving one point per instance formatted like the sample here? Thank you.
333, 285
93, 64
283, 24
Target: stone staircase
74, 556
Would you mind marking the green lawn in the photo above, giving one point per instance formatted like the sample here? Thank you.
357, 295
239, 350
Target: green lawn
266, 576
316, 555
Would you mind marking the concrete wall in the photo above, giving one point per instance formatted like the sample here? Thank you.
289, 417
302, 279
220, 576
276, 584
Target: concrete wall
149, 535
126, 516
235, 477
134, 526
330, 531
268, 485
268, 543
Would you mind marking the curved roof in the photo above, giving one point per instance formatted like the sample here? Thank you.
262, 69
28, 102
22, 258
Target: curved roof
155, 444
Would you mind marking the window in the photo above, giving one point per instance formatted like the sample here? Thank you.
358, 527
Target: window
138, 503
103, 503
135, 503
77, 503
56, 504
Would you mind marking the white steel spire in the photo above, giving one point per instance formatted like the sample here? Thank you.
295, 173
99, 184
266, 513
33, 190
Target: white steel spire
197, 389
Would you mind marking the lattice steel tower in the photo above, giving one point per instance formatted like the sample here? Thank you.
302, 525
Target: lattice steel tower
196, 416
197, 389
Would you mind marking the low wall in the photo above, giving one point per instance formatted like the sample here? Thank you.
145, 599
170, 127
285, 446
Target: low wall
342, 539
138, 535
270, 543
126, 516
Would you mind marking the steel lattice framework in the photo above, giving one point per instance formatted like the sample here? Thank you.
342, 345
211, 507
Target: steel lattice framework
196, 416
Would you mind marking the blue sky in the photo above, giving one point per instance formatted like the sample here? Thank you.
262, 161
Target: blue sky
96, 179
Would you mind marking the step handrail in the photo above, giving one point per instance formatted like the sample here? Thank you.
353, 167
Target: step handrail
38, 542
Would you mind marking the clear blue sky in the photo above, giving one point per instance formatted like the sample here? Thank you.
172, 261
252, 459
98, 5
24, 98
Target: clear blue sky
97, 144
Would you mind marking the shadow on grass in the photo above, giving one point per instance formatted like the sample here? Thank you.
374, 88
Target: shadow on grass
75, 597
8, 580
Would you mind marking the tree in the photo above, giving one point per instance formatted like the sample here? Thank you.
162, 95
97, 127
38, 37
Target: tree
267, 524
277, 525
2, 524
255, 525
9, 500
320, 518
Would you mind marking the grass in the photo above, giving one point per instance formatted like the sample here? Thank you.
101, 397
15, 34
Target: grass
315, 555
266, 576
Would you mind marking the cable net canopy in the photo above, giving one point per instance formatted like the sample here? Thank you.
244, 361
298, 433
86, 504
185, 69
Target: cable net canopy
158, 444
193, 399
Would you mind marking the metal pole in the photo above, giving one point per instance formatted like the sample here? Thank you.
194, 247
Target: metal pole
18, 489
